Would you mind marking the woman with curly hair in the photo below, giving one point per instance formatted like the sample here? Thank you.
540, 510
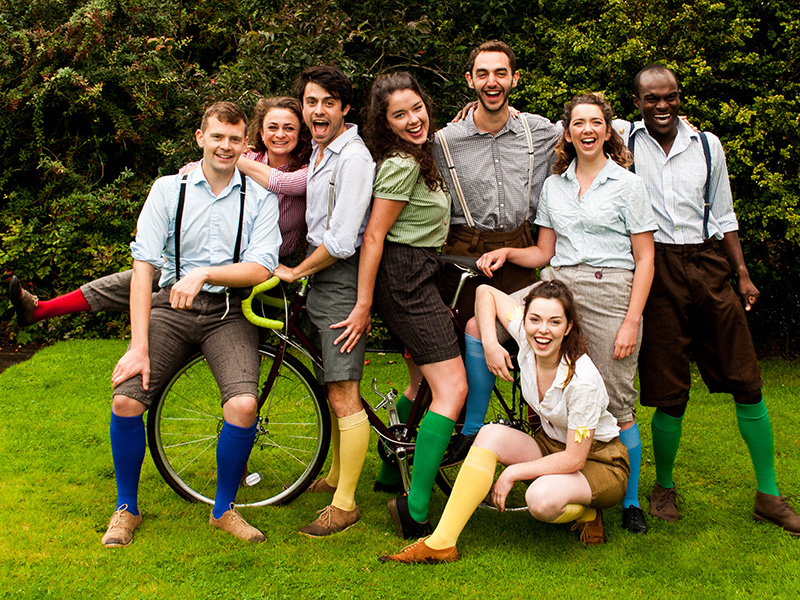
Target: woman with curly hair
398, 273
596, 232
576, 463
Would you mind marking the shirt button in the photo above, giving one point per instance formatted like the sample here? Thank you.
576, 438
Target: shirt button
502, 205
499, 183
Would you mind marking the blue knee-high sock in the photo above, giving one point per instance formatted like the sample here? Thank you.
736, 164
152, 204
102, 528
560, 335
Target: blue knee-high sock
127, 449
630, 438
480, 381
233, 450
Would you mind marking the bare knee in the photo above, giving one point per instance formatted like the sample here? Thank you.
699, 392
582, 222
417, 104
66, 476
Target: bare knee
124, 406
472, 328
543, 503
490, 436
344, 397
240, 410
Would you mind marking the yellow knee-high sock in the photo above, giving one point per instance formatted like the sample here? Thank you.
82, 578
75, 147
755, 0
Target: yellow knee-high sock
353, 445
472, 484
576, 512
333, 475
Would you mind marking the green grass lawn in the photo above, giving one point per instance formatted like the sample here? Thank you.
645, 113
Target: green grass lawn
57, 492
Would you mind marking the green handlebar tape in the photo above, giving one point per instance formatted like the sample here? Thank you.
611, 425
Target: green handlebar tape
247, 304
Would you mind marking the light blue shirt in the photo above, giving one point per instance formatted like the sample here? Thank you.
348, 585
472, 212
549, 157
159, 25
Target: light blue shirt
353, 195
208, 227
595, 228
677, 185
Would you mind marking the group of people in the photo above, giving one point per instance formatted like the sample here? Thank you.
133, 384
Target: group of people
634, 277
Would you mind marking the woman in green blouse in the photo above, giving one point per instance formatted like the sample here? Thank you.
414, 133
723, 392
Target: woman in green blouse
398, 272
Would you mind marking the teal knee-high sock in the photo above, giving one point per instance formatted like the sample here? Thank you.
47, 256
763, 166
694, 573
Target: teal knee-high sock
630, 438
432, 439
754, 425
666, 439
480, 382
390, 473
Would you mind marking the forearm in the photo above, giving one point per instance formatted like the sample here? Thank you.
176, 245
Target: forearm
318, 260
235, 275
368, 263
140, 304
257, 171
733, 250
644, 256
536, 256
568, 461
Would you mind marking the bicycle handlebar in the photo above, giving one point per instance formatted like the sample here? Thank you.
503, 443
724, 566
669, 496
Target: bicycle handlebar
247, 304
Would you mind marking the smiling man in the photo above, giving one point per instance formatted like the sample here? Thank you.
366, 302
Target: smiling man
338, 197
691, 306
207, 231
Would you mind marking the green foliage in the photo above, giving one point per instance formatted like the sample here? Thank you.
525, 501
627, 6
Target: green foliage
99, 97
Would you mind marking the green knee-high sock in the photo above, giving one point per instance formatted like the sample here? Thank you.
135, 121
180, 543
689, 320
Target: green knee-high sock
666, 439
754, 425
390, 473
432, 439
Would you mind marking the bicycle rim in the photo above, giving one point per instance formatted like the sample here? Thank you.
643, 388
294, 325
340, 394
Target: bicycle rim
291, 444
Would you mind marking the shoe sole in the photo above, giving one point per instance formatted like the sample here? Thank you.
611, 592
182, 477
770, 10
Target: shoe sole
316, 536
761, 519
398, 524
116, 544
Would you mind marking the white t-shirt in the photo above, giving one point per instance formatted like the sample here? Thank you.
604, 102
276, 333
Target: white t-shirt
582, 404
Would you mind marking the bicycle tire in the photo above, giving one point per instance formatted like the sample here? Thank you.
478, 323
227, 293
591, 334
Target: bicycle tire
292, 437
499, 412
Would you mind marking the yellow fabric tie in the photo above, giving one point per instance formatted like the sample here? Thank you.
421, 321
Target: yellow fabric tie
581, 433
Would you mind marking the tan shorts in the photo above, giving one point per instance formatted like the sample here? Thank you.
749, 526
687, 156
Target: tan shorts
606, 468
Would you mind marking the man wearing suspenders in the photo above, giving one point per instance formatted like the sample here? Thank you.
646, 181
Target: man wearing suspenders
691, 304
338, 198
208, 231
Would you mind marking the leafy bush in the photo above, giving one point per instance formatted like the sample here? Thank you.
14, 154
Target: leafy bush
99, 97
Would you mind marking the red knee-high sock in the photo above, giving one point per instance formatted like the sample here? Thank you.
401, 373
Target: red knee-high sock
63, 305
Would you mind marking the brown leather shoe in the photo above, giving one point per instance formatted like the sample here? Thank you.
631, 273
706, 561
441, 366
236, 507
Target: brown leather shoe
121, 527
24, 302
775, 509
320, 486
331, 520
592, 532
664, 503
234, 523
420, 552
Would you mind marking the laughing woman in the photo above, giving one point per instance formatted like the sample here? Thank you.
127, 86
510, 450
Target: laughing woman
576, 463
398, 272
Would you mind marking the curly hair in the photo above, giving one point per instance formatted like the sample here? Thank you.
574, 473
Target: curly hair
573, 346
380, 138
301, 152
613, 146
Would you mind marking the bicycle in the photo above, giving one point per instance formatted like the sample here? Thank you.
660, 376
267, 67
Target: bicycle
293, 426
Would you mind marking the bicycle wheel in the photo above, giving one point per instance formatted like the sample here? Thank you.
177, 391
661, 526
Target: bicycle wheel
292, 437
505, 408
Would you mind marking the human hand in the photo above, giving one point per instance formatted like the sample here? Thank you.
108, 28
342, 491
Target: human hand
285, 273
188, 168
184, 290
491, 261
498, 360
358, 323
133, 362
748, 292
502, 488
625, 342
462, 114
686, 122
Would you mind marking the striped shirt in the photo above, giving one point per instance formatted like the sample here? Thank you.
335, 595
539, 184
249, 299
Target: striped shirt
493, 170
676, 184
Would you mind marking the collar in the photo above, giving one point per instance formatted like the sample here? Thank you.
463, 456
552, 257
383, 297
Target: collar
610, 170
684, 131
198, 177
351, 131
512, 125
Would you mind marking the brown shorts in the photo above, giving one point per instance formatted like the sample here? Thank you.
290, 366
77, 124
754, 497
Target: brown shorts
606, 469
230, 346
408, 300
692, 306
464, 241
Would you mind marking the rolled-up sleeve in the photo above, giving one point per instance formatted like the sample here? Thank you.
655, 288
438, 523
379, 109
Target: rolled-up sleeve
152, 228
265, 236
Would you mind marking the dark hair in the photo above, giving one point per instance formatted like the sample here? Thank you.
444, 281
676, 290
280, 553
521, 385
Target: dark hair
613, 146
301, 152
652, 68
573, 346
493, 46
226, 112
329, 77
383, 142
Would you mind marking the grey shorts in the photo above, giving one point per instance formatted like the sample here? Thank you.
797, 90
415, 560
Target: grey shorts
332, 296
230, 346
113, 292
602, 302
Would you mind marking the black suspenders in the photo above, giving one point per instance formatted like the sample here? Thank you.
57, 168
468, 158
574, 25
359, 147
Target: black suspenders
179, 218
706, 193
